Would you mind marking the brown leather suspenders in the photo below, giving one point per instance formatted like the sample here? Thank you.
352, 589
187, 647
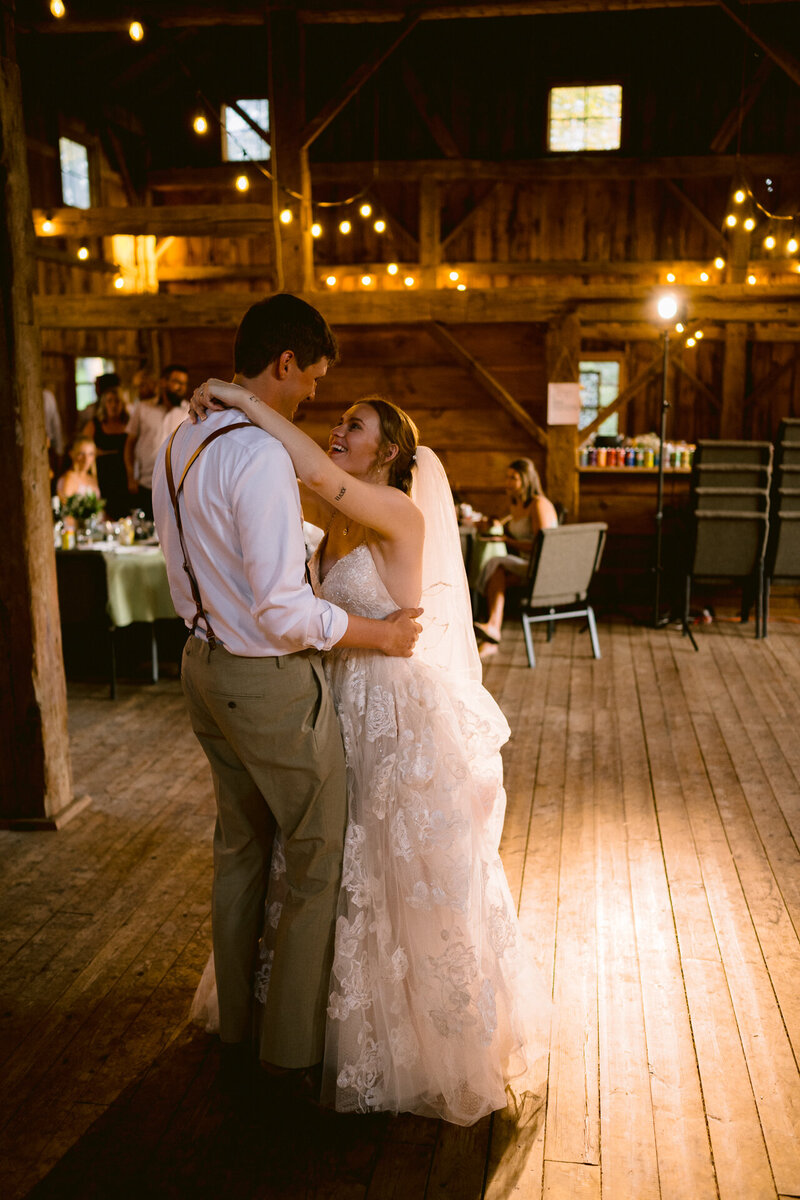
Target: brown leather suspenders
175, 493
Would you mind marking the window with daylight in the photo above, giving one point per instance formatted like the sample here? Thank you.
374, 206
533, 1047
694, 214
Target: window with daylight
75, 189
585, 118
599, 387
86, 371
239, 140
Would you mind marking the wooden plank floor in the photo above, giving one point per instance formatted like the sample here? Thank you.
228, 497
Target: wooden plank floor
652, 839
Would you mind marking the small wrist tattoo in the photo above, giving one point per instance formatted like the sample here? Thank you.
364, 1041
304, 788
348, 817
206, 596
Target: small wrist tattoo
339, 494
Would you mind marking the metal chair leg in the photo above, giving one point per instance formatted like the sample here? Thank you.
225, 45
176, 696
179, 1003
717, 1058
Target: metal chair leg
526, 629
593, 631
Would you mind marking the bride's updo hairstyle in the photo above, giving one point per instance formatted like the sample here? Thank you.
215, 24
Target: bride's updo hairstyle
397, 429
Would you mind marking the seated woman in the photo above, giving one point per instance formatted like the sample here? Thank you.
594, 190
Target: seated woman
80, 479
529, 511
108, 429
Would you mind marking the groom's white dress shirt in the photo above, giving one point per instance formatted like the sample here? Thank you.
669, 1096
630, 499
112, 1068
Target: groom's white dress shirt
242, 523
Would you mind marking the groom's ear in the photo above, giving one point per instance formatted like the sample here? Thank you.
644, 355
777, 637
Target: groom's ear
282, 363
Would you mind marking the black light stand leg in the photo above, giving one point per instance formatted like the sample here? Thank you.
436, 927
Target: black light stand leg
658, 620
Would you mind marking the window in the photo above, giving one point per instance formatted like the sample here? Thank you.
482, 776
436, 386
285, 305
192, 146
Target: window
239, 140
74, 173
86, 371
599, 387
585, 118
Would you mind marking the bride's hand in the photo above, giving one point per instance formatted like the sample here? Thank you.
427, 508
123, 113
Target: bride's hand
215, 395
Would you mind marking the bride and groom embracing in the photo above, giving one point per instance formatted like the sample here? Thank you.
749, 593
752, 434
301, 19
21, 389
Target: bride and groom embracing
361, 917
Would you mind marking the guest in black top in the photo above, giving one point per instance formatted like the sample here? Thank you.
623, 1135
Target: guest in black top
108, 430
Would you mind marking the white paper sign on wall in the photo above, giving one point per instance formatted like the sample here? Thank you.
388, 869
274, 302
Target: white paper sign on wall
563, 403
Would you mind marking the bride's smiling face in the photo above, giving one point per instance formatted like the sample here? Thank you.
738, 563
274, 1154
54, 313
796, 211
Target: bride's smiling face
355, 442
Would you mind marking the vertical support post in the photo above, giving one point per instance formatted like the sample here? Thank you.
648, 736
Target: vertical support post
35, 774
563, 366
294, 265
734, 380
657, 619
430, 231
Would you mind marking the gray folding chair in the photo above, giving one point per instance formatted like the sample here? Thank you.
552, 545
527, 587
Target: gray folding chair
563, 564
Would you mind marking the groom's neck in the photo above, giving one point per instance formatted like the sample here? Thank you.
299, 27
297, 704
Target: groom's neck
258, 386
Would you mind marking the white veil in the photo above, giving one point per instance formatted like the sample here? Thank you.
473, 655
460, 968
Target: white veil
447, 641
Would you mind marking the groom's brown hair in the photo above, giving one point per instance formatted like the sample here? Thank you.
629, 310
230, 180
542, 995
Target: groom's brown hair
282, 322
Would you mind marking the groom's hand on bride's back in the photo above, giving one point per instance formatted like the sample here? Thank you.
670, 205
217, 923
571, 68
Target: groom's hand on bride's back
403, 631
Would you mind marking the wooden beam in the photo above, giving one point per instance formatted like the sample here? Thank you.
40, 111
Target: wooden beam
192, 274
181, 220
293, 252
779, 54
436, 126
467, 219
430, 249
734, 375
731, 126
711, 229
65, 259
767, 384
487, 381
703, 388
625, 396
357, 80
563, 348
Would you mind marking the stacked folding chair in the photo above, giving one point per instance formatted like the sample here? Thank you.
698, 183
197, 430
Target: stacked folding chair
730, 519
783, 549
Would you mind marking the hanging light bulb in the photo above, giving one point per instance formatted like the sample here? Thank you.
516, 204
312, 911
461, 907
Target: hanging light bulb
751, 279
316, 229
200, 124
119, 282
739, 196
366, 280
719, 263
344, 227
331, 281
731, 220
409, 281
83, 253
47, 225
57, 8
791, 245
679, 328
461, 287
379, 226
704, 276
670, 276
769, 242
698, 333
454, 276
136, 31
366, 210
690, 341
242, 183
749, 224
392, 268
286, 217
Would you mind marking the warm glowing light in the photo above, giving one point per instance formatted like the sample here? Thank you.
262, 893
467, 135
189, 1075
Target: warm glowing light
698, 333
344, 227
690, 341
739, 196
331, 281
83, 253
366, 280
242, 183
750, 224
454, 276
200, 124
409, 281
751, 279
670, 277
47, 226
286, 216
461, 287
730, 220
769, 242
392, 268
667, 306
704, 276
719, 263
791, 245
679, 328
366, 210
57, 8
316, 229
379, 226
119, 282
136, 31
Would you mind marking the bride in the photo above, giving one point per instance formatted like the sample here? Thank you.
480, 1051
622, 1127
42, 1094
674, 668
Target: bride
432, 1009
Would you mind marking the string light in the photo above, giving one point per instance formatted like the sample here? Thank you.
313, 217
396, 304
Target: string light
670, 277
331, 281
698, 333
136, 31
730, 220
679, 328
749, 224
461, 287
690, 341
719, 263
200, 124
119, 282
344, 227
392, 268
769, 242
316, 230
286, 216
47, 225
242, 183
454, 276
83, 253
704, 276
739, 196
366, 210
791, 245
379, 226
366, 280
57, 8
751, 279
409, 281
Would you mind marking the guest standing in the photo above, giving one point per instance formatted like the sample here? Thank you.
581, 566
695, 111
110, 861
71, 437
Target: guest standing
152, 421
108, 429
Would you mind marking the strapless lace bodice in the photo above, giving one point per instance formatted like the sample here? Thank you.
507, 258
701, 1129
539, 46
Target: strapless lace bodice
353, 583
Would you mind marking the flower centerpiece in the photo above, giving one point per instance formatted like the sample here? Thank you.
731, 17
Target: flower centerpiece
80, 507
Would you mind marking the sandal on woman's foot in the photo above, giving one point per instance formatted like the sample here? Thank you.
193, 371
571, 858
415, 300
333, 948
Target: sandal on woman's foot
484, 633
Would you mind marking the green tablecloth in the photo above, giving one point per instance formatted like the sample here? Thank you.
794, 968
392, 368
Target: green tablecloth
477, 551
136, 577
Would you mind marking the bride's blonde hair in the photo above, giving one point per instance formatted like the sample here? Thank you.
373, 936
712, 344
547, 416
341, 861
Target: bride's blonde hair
397, 429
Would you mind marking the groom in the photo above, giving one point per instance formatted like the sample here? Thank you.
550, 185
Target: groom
254, 684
